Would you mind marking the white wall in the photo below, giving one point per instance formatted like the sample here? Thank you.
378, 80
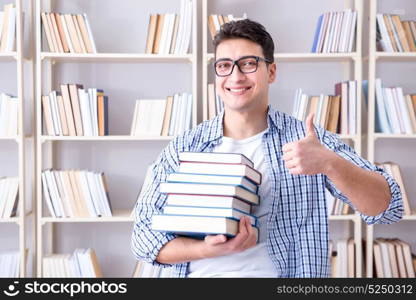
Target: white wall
121, 26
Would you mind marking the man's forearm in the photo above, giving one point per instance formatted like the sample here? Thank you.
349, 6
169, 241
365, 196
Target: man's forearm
367, 190
179, 250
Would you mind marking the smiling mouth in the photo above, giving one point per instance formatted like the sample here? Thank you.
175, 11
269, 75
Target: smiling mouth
240, 90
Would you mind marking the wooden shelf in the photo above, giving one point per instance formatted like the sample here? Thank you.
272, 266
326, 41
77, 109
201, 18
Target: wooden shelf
350, 217
116, 57
395, 56
393, 136
10, 220
8, 56
118, 216
9, 138
106, 138
409, 217
307, 57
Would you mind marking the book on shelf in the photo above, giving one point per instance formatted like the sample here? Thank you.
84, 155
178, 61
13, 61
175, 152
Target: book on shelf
170, 33
394, 170
393, 259
162, 117
76, 193
335, 32
75, 111
200, 202
8, 28
147, 270
9, 196
82, 263
336, 113
216, 21
395, 35
68, 33
9, 115
336, 207
342, 256
395, 110
9, 264
214, 103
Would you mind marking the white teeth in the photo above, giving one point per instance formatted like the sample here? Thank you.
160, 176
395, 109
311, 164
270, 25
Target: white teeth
237, 90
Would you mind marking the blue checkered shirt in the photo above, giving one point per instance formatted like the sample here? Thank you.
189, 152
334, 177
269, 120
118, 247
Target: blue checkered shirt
298, 219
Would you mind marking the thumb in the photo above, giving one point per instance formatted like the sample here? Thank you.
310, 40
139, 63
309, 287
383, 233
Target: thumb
310, 129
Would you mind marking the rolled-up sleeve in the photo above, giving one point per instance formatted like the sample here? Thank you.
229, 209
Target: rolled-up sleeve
394, 211
146, 243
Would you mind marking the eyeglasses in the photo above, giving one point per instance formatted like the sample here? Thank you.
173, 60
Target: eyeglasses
246, 64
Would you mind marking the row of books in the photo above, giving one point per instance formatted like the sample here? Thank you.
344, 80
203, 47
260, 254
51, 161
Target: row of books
335, 32
215, 104
336, 113
216, 21
393, 258
170, 33
147, 270
394, 170
8, 28
342, 256
9, 264
208, 194
9, 191
395, 35
68, 33
76, 193
337, 207
82, 263
9, 112
76, 111
162, 117
395, 111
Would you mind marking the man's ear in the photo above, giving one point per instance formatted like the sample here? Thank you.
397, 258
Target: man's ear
272, 72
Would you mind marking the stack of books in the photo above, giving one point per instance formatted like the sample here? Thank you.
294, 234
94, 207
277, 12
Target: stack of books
68, 33
82, 263
393, 258
9, 188
8, 28
342, 255
336, 113
75, 111
394, 35
215, 104
216, 21
9, 264
76, 193
9, 107
335, 32
147, 270
395, 111
162, 117
170, 33
209, 194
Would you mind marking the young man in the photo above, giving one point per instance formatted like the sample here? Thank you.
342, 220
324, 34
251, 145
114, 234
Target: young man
297, 160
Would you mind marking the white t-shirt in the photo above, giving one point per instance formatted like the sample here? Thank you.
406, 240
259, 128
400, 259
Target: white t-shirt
255, 261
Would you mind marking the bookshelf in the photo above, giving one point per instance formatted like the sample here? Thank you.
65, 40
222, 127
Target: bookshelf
125, 59
350, 63
376, 141
16, 144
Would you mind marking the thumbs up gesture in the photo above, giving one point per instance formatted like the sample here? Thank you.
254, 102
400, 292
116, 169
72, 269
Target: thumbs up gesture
306, 156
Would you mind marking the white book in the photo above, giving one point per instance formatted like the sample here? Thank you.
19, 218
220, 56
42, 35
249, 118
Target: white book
66, 33
76, 268
85, 112
217, 24
11, 34
157, 113
188, 28
403, 110
11, 197
346, 21
55, 113
328, 33
391, 110
351, 35
398, 114
64, 196
323, 32
142, 113
183, 110
395, 34
95, 194
385, 38
215, 157
92, 96
86, 192
179, 36
296, 102
53, 192
303, 107
94, 49
386, 260
342, 254
319, 109
48, 196
385, 126
105, 202
163, 36
175, 110
352, 109
188, 116
337, 25
134, 121
169, 36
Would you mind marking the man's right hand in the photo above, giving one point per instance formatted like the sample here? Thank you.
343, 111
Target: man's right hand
218, 245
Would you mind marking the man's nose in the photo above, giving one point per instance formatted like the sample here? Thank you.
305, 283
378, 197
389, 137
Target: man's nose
237, 74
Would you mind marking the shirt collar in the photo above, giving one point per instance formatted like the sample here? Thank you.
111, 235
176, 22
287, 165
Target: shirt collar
274, 120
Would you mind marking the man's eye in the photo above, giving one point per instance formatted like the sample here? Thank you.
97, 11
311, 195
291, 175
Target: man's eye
249, 63
223, 65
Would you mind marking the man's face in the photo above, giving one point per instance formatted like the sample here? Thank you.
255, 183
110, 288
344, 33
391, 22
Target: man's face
244, 92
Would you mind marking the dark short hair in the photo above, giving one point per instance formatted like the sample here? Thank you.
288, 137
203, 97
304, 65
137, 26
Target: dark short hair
250, 30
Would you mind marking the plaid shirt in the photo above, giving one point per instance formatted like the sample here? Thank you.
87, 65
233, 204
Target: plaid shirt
298, 219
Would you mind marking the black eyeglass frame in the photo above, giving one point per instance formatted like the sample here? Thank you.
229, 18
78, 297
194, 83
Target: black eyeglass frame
235, 63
